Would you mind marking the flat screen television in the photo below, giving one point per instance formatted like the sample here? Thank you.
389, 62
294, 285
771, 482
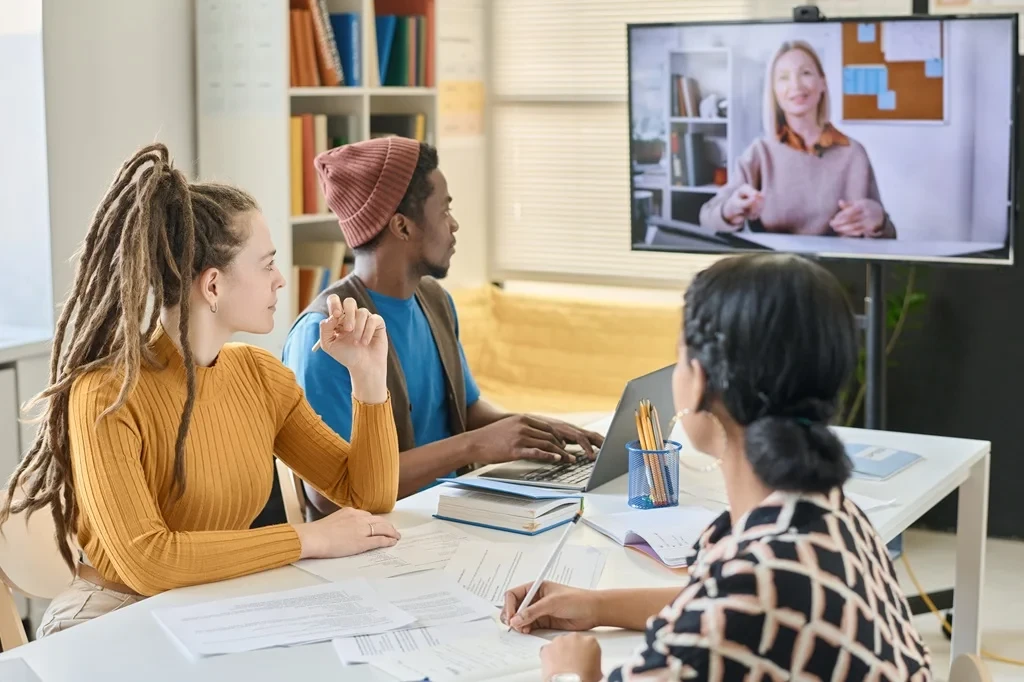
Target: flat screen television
866, 138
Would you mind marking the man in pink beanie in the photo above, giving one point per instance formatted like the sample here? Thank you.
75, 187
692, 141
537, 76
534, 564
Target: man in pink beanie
394, 211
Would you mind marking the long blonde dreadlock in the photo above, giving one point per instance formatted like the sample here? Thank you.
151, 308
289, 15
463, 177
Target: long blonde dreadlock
153, 232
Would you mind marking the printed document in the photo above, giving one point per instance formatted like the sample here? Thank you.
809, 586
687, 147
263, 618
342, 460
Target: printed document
301, 616
488, 569
466, 660
421, 548
360, 649
433, 598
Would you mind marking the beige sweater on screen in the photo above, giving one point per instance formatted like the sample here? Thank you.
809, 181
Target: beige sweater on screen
801, 190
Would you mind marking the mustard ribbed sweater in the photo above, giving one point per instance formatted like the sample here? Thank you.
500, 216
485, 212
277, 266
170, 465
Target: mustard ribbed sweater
135, 531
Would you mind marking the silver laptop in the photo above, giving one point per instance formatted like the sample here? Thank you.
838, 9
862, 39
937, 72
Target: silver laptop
612, 460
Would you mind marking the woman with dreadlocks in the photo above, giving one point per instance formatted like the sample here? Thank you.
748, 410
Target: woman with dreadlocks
156, 447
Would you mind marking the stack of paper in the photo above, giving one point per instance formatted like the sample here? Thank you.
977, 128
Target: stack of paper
666, 535
466, 660
322, 612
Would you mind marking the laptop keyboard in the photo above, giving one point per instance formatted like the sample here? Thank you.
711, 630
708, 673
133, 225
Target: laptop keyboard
571, 474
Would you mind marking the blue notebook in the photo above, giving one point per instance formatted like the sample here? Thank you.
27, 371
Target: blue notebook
529, 491
878, 463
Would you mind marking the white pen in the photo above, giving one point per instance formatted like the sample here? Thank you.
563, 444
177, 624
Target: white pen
547, 566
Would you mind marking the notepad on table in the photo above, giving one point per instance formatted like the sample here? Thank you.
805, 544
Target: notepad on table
529, 512
879, 463
666, 535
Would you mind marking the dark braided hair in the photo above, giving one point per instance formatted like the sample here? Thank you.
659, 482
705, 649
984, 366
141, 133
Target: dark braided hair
153, 233
776, 337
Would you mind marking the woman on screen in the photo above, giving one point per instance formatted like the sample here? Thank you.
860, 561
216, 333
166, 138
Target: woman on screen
792, 581
803, 176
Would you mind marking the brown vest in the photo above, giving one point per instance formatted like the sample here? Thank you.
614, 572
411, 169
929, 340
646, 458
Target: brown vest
441, 317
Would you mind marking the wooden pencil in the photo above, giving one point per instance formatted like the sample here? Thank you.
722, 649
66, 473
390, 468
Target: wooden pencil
649, 463
655, 463
662, 446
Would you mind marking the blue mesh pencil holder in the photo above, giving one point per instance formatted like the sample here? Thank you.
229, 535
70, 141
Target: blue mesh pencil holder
653, 476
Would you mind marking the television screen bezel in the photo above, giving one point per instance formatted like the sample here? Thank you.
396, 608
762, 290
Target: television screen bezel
1003, 257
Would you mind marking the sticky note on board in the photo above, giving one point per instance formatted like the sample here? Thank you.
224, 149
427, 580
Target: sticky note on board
873, 82
866, 33
883, 79
887, 101
933, 68
850, 80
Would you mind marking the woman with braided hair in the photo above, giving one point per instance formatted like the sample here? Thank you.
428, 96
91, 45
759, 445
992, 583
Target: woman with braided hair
156, 447
792, 582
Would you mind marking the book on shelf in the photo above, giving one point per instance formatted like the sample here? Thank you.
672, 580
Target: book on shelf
508, 507
312, 134
686, 102
413, 126
325, 48
317, 264
405, 33
348, 33
326, 58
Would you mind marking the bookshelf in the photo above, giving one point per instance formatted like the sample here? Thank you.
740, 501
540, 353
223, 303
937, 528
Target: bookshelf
699, 134
247, 95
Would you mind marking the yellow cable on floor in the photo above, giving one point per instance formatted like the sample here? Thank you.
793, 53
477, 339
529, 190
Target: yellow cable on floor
942, 619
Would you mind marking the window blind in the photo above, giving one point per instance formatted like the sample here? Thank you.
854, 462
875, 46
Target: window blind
561, 204
561, 137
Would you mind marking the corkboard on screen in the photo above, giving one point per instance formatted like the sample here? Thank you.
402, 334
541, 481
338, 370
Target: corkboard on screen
878, 90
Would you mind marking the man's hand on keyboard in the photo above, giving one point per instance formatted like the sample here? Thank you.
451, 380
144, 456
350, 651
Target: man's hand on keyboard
588, 441
521, 437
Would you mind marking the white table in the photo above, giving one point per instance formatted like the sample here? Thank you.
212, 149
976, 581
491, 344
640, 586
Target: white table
128, 645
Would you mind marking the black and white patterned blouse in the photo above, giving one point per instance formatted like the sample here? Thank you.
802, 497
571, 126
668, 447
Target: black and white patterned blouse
801, 589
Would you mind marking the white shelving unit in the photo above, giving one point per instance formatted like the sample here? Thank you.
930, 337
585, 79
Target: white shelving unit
244, 104
712, 71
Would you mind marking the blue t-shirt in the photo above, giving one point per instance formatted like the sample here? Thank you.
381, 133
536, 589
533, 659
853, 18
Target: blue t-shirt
328, 385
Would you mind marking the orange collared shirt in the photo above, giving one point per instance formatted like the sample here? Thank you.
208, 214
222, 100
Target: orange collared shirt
830, 137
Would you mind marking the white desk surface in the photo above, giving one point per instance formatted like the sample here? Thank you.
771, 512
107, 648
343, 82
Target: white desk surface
129, 645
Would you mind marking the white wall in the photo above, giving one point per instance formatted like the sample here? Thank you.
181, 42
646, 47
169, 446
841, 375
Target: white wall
938, 181
463, 160
25, 296
119, 75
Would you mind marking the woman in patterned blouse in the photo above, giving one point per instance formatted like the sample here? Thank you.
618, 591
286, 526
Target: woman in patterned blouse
792, 582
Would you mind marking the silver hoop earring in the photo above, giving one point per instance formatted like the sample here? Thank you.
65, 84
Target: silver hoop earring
213, 308
716, 461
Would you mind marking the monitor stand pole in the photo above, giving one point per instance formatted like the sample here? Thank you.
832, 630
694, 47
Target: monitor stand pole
874, 322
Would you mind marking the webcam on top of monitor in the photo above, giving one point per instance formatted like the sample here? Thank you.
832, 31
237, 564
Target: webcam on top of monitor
807, 13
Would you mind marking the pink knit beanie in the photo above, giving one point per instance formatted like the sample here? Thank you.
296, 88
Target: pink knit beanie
365, 181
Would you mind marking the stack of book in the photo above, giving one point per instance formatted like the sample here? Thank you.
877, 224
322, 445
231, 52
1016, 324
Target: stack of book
325, 48
405, 42
523, 509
